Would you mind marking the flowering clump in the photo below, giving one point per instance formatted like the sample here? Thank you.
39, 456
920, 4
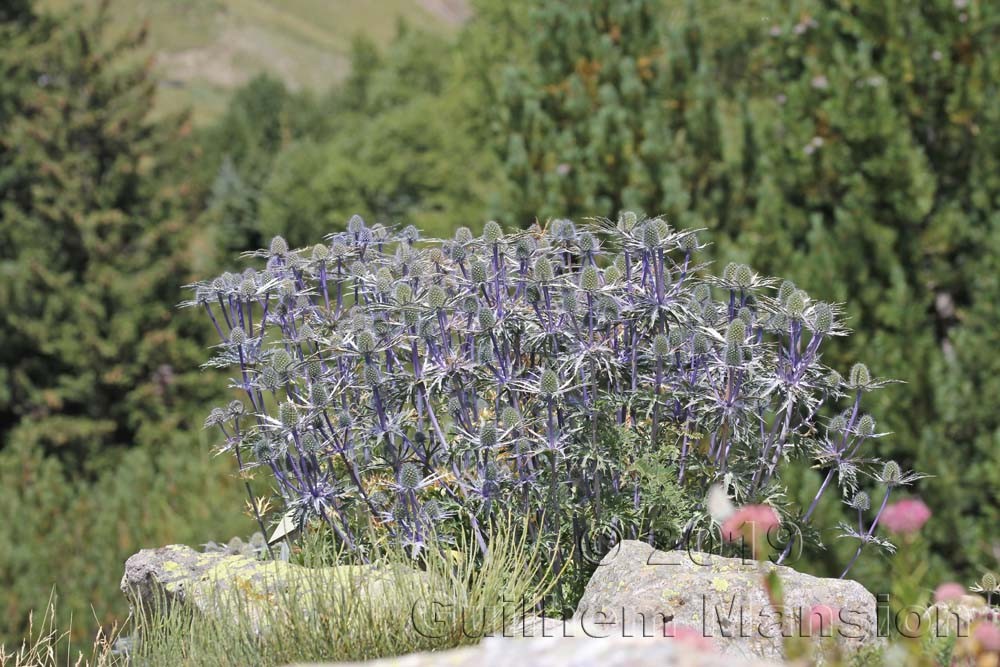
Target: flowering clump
820, 621
987, 636
906, 517
754, 524
591, 379
949, 592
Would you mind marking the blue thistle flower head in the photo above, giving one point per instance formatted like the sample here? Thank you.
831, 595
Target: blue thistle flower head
320, 252
410, 476
248, 290
548, 383
587, 242
650, 236
288, 414
355, 224
410, 234
612, 276
238, 336
892, 475
866, 426
279, 247
860, 376
627, 220
544, 271
795, 305
477, 270
861, 501
661, 346
590, 279
215, 417
524, 248
510, 418
366, 342
492, 232
487, 319
270, 378
436, 297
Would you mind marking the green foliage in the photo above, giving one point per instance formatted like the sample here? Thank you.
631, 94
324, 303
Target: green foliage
75, 534
95, 234
384, 144
399, 170
613, 110
452, 597
395, 151
851, 147
876, 184
16, 11
239, 155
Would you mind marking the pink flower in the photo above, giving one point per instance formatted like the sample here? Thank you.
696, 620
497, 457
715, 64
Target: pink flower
949, 592
689, 637
906, 517
821, 619
987, 636
750, 521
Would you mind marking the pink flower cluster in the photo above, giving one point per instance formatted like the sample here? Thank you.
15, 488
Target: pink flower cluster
949, 592
751, 521
906, 517
987, 636
821, 620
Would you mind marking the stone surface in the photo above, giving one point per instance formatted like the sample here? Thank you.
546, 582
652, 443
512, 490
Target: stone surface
958, 616
638, 588
566, 652
223, 585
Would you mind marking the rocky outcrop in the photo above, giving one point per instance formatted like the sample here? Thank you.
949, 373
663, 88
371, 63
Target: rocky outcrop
242, 588
722, 599
641, 607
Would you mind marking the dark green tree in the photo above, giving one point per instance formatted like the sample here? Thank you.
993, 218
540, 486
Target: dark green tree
615, 108
878, 185
238, 154
16, 11
398, 150
96, 239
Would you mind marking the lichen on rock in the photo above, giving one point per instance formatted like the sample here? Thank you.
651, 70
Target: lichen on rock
640, 589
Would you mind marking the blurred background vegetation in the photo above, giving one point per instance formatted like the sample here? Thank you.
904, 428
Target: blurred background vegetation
852, 146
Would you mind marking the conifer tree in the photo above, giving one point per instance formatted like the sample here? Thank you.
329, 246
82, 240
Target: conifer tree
879, 186
615, 109
95, 243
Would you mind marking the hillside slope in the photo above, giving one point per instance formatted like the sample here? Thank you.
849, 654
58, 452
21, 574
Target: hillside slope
205, 48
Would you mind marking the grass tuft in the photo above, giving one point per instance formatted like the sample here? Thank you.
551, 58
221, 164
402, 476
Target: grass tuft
443, 598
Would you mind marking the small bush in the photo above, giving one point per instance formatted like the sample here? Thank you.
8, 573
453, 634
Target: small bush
80, 533
592, 378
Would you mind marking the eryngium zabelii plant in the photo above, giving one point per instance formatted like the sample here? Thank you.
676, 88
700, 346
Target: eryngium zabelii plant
595, 378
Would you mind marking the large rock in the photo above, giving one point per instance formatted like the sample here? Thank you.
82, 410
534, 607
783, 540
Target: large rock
640, 589
566, 652
240, 588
